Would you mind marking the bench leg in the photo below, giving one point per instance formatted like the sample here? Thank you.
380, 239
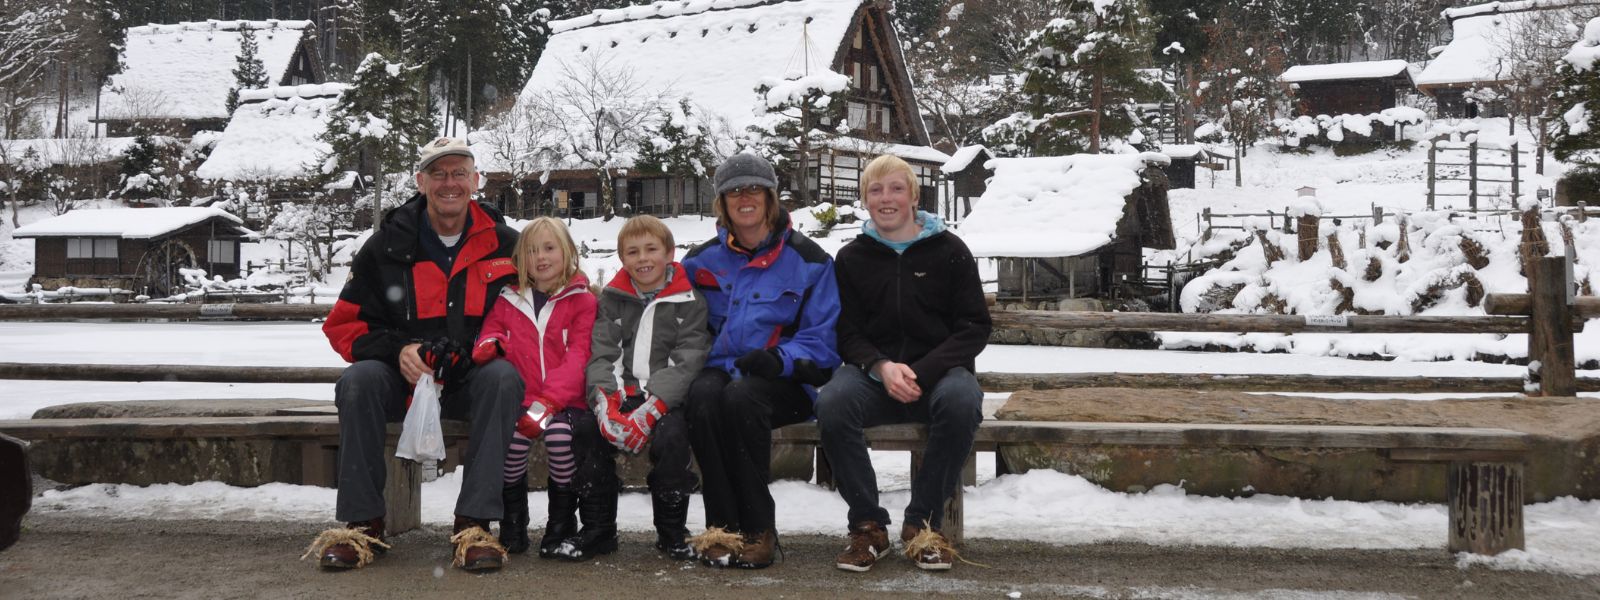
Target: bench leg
1485, 507
319, 463
824, 470
954, 508
402, 495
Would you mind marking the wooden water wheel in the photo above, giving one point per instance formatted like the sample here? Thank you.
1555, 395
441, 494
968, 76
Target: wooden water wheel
158, 274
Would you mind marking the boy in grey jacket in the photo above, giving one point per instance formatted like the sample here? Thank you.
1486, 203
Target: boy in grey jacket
650, 340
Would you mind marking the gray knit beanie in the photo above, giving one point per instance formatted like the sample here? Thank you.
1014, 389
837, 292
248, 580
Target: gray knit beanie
745, 168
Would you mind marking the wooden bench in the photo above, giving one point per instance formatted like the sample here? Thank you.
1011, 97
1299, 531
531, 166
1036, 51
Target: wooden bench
318, 436
1485, 465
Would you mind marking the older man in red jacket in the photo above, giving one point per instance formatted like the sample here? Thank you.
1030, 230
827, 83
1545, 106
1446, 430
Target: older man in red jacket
418, 293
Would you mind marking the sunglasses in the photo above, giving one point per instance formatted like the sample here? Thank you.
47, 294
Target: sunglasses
746, 191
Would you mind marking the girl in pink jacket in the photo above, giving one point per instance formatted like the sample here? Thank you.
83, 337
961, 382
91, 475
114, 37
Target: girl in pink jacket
542, 326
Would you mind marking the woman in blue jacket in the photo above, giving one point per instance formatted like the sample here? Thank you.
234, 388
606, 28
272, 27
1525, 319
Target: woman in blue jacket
773, 303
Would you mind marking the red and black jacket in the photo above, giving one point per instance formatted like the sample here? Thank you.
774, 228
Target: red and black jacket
396, 295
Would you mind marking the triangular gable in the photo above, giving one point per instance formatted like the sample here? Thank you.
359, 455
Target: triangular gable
716, 52
184, 71
881, 45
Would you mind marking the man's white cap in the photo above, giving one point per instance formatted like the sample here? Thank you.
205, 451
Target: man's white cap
440, 148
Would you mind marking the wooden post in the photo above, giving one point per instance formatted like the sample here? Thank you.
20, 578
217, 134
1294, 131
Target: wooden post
1472, 176
1515, 187
1485, 505
1205, 232
1550, 341
1433, 166
1308, 235
1377, 212
1583, 211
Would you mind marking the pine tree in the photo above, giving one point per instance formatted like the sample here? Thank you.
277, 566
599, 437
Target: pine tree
1576, 104
1081, 84
248, 71
377, 126
680, 146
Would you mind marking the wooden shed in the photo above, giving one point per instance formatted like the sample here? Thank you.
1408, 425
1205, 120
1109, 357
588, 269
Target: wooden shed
137, 249
1071, 226
966, 179
1358, 88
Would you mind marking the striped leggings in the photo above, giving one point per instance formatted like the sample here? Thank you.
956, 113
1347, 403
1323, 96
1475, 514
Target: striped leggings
557, 447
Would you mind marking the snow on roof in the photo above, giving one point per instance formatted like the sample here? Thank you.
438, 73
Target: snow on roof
126, 223
1476, 52
67, 151
962, 158
1372, 69
715, 52
273, 135
1054, 205
184, 71
872, 148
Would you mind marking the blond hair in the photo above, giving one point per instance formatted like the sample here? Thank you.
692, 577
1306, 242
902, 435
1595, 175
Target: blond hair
569, 253
885, 166
645, 225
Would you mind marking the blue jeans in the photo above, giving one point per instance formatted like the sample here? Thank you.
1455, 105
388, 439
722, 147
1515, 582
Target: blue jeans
852, 402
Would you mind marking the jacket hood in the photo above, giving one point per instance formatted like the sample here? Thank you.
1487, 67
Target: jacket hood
932, 225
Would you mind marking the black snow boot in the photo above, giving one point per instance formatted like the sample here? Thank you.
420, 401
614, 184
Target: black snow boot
563, 521
598, 512
671, 513
514, 527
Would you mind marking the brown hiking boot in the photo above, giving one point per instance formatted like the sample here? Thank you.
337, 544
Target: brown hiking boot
759, 550
350, 547
476, 548
717, 546
868, 543
927, 548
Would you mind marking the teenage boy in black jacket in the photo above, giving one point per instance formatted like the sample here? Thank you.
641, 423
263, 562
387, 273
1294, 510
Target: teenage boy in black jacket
911, 324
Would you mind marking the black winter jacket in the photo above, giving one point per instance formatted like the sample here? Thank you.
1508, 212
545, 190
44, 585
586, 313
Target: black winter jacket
396, 295
923, 308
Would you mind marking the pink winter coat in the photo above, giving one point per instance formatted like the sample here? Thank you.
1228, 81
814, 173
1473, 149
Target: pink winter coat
550, 348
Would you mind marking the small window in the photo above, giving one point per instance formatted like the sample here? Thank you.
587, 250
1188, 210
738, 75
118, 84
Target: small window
872, 77
883, 118
856, 116
220, 251
857, 42
105, 248
80, 248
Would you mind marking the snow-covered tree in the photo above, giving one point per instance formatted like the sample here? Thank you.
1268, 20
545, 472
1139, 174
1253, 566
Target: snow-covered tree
679, 145
248, 71
1577, 104
796, 116
1081, 86
311, 227
593, 117
376, 126
1239, 88
955, 91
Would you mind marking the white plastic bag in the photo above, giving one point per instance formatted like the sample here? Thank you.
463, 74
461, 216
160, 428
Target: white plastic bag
421, 437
